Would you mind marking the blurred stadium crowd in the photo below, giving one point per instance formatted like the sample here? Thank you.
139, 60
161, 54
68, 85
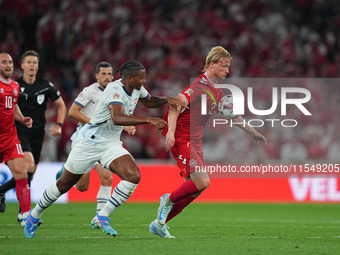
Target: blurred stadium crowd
267, 38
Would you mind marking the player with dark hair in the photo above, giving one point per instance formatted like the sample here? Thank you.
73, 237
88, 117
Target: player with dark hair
10, 149
184, 138
82, 110
34, 94
99, 140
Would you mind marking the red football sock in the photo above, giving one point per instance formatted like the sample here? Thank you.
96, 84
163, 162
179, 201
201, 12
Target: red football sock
179, 206
23, 195
186, 189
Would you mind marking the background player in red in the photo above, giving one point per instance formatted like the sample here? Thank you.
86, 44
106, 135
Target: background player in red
34, 95
184, 137
10, 148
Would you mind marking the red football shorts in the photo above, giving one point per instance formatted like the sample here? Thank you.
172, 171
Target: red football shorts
187, 157
12, 152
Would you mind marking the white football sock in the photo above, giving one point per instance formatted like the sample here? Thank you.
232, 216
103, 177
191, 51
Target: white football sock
25, 214
50, 195
120, 194
103, 196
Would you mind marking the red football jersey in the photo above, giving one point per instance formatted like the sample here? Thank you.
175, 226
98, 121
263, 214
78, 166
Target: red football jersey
9, 93
191, 122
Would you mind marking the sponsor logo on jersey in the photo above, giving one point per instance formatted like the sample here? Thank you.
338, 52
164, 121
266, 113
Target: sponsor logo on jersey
116, 95
22, 89
136, 100
40, 99
189, 91
2, 90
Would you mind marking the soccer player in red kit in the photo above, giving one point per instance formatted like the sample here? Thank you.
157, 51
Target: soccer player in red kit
10, 148
184, 137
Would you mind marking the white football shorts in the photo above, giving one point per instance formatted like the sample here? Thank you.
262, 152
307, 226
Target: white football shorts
85, 155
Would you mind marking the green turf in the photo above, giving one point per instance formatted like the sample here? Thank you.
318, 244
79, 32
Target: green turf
200, 229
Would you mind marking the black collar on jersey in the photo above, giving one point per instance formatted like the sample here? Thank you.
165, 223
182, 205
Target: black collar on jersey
126, 91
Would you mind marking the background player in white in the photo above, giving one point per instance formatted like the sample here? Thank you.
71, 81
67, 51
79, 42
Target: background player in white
99, 140
81, 110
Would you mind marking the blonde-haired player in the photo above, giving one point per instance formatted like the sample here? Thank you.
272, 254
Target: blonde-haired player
184, 137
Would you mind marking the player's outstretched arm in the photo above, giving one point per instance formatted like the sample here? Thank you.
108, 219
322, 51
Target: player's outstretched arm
259, 138
174, 112
155, 102
120, 118
27, 121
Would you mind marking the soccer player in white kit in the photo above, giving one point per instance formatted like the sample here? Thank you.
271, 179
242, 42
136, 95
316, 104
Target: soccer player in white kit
99, 140
81, 110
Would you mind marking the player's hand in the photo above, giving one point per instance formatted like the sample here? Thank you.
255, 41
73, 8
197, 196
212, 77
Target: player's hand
27, 121
131, 130
157, 122
174, 102
55, 131
260, 139
169, 141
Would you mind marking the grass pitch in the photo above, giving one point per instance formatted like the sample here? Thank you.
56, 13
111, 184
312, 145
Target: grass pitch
200, 229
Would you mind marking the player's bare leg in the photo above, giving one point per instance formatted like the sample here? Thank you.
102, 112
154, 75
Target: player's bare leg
50, 195
125, 167
83, 183
67, 180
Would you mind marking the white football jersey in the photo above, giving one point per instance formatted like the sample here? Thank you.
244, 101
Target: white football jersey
88, 100
101, 128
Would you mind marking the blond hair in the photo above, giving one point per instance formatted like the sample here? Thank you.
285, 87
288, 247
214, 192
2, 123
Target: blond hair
215, 54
